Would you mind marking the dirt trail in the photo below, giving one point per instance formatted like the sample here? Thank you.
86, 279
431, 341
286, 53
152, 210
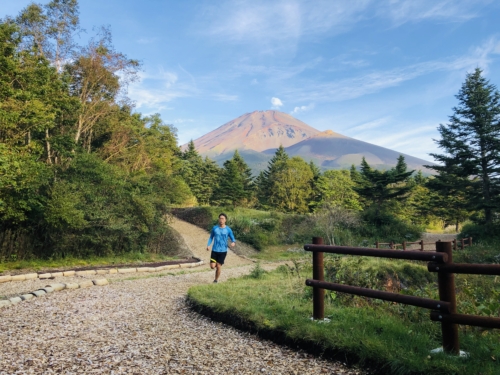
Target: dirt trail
142, 325
431, 238
197, 238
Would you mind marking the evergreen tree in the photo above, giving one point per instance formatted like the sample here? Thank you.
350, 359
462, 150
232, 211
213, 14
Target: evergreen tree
246, 175
190, 152
380, 187
266, 178
471, 142
231, 188
315, 191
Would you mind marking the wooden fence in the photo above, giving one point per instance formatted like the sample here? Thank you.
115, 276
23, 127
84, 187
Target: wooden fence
464, 242
440, 261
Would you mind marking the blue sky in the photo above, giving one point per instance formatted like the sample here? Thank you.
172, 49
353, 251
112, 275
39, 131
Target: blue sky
382, 71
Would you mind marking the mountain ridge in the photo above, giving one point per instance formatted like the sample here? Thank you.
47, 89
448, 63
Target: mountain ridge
256, 135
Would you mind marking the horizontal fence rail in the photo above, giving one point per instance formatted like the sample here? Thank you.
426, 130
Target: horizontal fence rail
366, 251
440, 261
464, 319
392, 245
470, 269
426, 303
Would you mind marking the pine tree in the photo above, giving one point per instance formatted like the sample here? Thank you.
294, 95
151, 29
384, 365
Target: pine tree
246, 175
231, 188
266, 178
379, 187
471, 142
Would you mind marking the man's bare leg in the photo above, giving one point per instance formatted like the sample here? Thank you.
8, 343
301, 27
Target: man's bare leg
217, 271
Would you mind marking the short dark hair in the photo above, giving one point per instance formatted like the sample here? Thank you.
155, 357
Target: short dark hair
222, 214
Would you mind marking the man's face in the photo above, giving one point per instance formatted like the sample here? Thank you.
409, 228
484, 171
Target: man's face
222, 220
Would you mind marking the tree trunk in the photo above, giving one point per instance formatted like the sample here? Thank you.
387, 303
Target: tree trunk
47, 145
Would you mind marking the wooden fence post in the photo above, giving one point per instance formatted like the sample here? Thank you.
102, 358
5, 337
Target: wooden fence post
455, 244
421, 245
463, 243
446, 285
318, 274
391, 245
404, 245
376, 245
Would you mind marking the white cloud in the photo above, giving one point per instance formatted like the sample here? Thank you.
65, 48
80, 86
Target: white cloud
272, 26
402, 11
303, 108
276, 103
351, 88
371, 124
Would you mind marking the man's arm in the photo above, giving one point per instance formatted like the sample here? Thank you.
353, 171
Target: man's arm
210, 239
231, 235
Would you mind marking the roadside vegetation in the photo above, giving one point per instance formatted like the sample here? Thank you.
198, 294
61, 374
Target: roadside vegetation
393, 338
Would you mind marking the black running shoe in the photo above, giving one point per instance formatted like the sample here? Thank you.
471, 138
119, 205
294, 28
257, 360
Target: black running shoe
215, 281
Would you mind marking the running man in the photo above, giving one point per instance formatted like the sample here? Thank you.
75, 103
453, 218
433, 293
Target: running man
219, 235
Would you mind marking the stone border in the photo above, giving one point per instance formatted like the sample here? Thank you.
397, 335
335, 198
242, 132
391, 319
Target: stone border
50, 289
104, 271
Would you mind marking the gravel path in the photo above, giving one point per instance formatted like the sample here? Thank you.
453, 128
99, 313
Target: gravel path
140, 324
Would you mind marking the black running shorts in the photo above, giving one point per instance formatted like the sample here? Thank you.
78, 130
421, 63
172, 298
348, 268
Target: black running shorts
218, 257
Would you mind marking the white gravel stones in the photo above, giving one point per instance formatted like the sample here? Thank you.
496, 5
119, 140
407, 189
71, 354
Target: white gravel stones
72, 285
139, 326
44, 275
113, 271
69, 273
5, 303
31, 276
100, 282
57, 274
18, 278
4, 279
102, 272
15, 300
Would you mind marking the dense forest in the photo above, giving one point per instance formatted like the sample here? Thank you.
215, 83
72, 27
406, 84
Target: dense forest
83, 173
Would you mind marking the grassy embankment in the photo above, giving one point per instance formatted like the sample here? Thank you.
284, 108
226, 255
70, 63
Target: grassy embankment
393, 338
73, 262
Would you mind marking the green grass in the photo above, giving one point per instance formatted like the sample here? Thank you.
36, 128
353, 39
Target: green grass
278, 253
375, 334
40, 264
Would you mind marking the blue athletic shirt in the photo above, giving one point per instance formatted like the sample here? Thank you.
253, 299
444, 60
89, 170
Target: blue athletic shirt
219, 236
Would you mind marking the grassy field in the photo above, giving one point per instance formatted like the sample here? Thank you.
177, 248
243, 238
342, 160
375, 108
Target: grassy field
393, 338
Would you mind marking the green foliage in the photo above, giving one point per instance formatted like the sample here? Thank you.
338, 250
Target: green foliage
257, 271
80, 174
336, 188
470, 141
291, 187
236, 183
378, 188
